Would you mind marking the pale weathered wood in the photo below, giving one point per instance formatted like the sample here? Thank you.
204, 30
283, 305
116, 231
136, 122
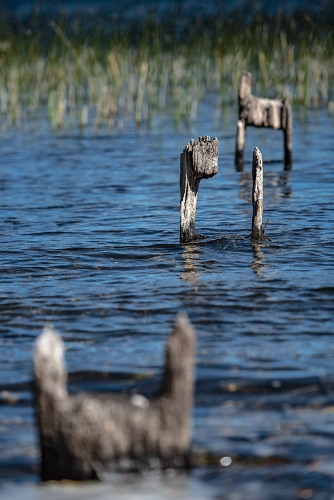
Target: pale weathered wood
84, 433
259, 112
257, 196
199, 160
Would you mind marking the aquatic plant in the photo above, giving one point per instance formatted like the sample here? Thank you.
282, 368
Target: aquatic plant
105, 69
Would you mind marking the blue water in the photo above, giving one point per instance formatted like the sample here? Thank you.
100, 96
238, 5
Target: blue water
89, 242
135, 7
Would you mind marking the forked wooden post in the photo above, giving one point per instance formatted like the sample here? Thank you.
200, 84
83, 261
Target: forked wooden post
83, 433
259, 112
199, 160
257, 196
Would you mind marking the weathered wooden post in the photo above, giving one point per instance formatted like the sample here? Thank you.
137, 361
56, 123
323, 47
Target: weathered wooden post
239, 152
199, 160
260, 112
83, 433
287, 130
257, 196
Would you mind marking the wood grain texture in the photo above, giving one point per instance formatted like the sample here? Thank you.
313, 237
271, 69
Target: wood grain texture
199, 160
257, 196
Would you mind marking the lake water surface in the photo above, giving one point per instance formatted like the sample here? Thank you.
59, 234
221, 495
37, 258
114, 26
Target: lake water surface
89, 242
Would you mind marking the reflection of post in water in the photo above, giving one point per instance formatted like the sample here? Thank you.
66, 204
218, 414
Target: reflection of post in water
283, 184
258, 265
245, 183
277, 185
190, 256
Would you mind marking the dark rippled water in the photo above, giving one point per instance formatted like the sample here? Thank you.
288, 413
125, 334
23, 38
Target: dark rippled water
89, 242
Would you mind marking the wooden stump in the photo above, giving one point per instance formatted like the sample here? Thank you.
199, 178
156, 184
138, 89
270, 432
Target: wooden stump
257, 196
259, 112
84, 433
199, 160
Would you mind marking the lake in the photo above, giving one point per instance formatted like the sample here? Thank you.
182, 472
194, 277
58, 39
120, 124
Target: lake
90, 243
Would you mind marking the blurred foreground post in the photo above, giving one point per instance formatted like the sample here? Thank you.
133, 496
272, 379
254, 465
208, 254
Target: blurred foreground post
257, 196
199, 160
259, 112
82, 434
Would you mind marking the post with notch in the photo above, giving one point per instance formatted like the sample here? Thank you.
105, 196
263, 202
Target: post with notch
262, 112
199, 160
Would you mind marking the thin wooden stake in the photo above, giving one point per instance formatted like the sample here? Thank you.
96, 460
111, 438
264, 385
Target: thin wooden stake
199, 160
257, 196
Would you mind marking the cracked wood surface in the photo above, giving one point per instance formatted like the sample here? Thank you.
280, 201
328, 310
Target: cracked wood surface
199, 160
257, 196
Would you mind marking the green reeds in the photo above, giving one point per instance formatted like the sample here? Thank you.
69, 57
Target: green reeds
103, 70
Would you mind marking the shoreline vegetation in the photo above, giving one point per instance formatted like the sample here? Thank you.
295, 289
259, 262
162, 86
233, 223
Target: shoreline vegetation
99, 68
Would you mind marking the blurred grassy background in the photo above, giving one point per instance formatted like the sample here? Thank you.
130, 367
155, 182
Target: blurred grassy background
99, 67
